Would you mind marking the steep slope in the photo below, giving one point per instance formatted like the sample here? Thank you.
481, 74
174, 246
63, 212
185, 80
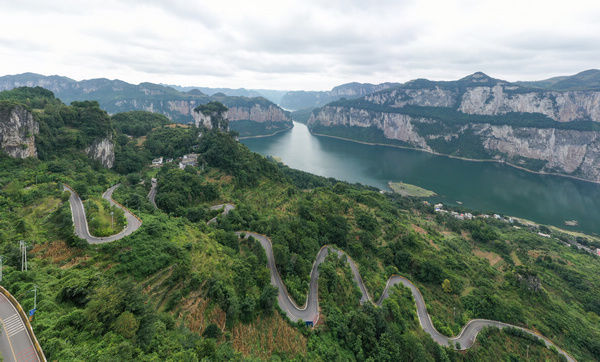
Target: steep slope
33, 122
477, 117
256, 116
179, 288
17, 130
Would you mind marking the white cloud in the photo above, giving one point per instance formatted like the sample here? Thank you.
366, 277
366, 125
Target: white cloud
297, 44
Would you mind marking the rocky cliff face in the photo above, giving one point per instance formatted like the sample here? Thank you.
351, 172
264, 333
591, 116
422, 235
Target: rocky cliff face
256, 113
560, 106
568, 152
394, 126
497, 99
117, 96
479, 117
102, 150
17, 132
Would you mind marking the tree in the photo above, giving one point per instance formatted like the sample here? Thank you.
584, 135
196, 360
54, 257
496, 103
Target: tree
126, 325
212, 331
446, 286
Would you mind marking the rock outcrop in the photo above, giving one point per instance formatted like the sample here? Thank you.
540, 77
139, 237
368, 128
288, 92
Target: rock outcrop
102, 150
562, 151
17, 131
498, 99
116, 96
479, 117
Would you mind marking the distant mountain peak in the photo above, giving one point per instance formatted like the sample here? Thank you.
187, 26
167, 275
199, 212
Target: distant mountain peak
479, 77
589, 72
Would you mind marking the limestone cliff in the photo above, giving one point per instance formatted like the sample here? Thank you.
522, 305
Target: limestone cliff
560, 106
17, 131
480, 94
562, 151
102, 150
478, 117
250, 119
116, 96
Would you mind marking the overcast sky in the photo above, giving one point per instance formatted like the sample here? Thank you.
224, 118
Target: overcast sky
298, 44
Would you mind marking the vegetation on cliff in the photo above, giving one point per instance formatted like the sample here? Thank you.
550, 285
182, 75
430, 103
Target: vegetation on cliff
180, 289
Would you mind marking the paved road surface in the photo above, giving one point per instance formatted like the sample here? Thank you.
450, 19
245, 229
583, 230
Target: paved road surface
80, 222
152, 193
226, 208
310, 310
15, 343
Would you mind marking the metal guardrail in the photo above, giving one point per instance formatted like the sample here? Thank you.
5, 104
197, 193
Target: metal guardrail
23, 315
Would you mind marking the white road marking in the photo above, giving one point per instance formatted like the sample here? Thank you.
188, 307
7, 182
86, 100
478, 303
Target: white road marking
13, 325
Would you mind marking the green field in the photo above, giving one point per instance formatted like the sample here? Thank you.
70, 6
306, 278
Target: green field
410, 190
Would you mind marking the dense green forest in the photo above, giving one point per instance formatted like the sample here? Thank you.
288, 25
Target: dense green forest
179, 289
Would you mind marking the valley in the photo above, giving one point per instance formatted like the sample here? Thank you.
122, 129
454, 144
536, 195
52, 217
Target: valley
184, 277
487, 187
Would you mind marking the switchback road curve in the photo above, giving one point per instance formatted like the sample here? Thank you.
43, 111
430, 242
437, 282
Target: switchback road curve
310, 310
81, 225
17, 341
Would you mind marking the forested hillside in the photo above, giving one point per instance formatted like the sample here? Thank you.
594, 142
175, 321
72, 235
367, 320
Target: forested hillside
249, 116
179, 289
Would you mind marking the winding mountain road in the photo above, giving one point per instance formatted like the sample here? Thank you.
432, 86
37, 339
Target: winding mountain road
310, 310
226, 208
81, 225
152, 193
17, 341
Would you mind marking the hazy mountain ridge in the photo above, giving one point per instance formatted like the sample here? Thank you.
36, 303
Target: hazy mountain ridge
117, 96
273, 95
296, 100
586, 80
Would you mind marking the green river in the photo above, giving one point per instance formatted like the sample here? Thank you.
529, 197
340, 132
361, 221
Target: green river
482, 186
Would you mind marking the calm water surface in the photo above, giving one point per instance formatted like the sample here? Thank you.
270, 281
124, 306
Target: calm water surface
478, 185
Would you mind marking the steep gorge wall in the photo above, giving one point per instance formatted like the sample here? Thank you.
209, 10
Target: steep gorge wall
560, 106
499, 99
568, 152
17, 132
256, 113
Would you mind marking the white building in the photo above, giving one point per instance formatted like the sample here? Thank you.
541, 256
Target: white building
157, 161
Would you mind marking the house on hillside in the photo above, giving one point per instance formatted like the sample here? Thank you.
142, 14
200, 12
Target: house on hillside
157, 161
189, 160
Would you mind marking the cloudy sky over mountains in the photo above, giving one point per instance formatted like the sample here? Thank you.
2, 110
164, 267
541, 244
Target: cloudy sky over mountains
298, 44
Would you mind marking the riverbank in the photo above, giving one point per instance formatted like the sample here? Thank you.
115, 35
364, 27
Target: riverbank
266, 135
458, 157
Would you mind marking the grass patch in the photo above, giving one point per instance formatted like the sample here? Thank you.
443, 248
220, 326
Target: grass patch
410, 190
99, 218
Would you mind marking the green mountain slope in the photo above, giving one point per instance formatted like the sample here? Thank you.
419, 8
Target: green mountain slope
255, 116
179, 289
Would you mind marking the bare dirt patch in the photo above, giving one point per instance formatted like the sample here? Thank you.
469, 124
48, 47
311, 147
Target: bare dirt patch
197, 313
57, 251
492, 257
419, 229
268, 335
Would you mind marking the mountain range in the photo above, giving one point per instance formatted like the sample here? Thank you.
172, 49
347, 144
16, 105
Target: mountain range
249, 116
550, 126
